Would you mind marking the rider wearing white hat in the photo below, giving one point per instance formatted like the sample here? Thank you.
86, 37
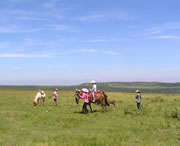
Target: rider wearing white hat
94, 89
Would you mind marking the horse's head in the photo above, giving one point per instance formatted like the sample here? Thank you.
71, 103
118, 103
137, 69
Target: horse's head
35, 103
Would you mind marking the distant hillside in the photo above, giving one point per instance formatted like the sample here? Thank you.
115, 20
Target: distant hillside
130, 87
146, 84
146, 87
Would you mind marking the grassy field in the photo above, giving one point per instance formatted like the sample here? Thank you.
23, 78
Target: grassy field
23, 124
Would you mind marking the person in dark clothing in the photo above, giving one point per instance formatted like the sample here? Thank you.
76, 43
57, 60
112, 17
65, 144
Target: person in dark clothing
138, 99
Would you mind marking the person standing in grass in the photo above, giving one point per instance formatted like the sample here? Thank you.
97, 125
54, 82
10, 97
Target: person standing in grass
54, 96
138, 99
86, 100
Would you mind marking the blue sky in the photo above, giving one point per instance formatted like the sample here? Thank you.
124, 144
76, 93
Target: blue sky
62, 42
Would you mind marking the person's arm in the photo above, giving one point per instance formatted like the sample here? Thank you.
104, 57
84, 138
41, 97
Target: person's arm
82, 96
136, 96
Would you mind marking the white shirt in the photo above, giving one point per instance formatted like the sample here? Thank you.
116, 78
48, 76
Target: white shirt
94, 87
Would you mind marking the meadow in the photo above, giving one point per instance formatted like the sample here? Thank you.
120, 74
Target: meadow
27, 125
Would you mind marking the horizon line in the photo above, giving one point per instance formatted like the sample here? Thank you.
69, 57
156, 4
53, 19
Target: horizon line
89, 83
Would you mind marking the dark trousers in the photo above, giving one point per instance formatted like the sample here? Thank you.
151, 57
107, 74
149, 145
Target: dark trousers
139, 106
84, 109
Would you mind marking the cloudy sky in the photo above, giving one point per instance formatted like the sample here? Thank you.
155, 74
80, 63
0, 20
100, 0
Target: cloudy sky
50, 42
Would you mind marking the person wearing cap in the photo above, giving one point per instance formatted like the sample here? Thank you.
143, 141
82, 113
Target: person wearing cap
86, 100
138, 99
54, 96
94, 89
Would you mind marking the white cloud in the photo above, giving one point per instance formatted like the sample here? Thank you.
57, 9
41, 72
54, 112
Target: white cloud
162, 31
105, 16
82, 51
89, 50
110, 52
95, 41
17, 55
32, 18
17, 29
91, 17
51, 4
56, 27
173, 37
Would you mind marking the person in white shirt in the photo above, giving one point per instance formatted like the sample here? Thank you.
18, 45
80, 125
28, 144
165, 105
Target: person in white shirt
94, 89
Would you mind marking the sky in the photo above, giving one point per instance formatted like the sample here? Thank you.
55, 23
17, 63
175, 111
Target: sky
67, 42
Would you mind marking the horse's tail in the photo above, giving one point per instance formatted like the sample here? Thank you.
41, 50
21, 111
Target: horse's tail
105, 97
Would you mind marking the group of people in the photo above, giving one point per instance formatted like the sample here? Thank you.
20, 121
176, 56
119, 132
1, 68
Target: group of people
85, 95
94, 89
41, 95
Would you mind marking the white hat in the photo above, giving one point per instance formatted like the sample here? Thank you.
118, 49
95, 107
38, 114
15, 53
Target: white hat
93, 82
85, 90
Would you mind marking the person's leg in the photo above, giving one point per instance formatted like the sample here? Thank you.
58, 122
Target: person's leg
138, 105
55, 101
90, 106
86, 110
93, 96
83, 108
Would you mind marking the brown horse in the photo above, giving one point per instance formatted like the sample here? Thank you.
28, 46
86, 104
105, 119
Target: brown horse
100, 97
112, 101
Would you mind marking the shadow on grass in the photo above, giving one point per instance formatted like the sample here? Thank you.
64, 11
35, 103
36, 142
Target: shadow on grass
89, 112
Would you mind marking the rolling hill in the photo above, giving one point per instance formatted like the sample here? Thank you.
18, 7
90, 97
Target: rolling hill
130, 87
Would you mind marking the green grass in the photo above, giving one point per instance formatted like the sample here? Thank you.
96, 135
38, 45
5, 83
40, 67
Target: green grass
23, 124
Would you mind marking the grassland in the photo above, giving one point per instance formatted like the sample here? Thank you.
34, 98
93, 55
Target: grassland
23, 124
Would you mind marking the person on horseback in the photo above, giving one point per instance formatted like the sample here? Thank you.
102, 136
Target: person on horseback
86, 100
94, 89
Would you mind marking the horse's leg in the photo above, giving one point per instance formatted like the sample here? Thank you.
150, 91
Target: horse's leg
43, 100
38, 101
102, 107
106, 100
